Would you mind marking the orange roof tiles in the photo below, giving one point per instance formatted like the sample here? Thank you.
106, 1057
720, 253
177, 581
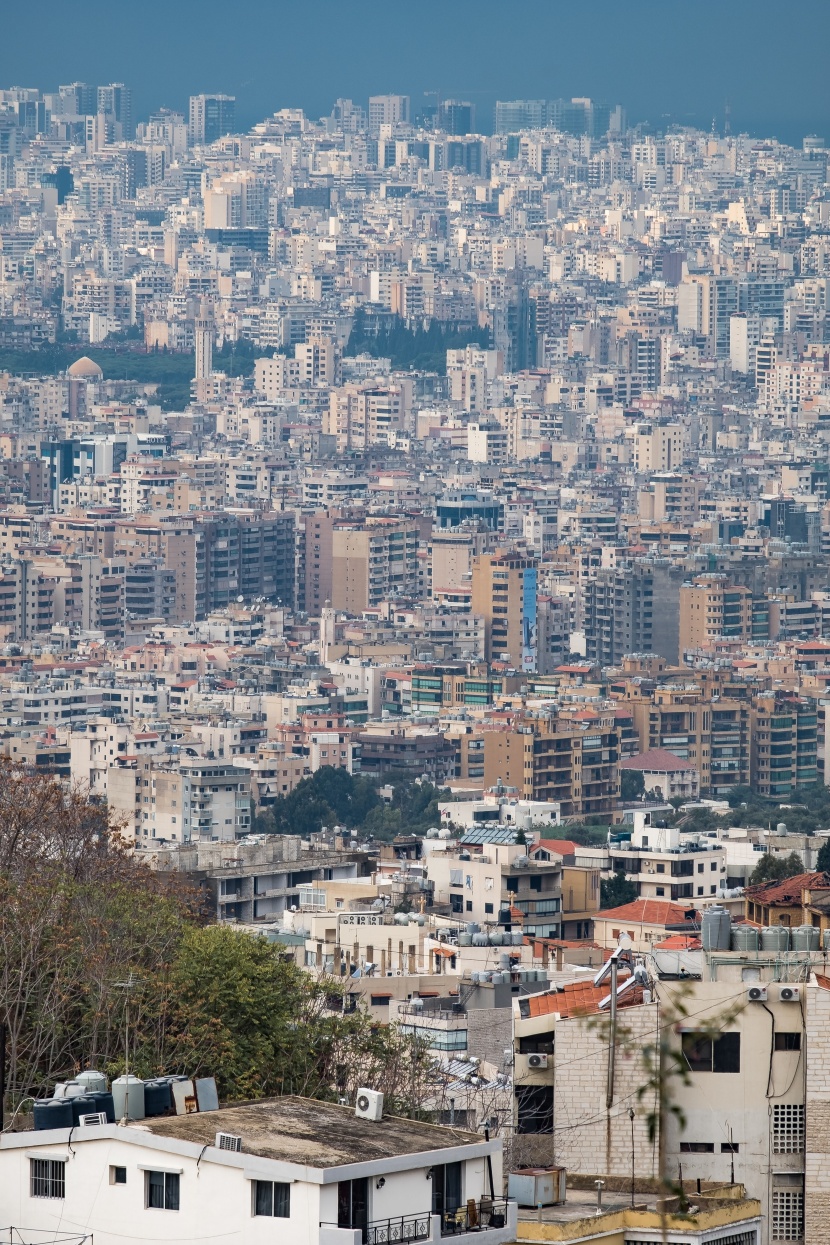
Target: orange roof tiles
647, 912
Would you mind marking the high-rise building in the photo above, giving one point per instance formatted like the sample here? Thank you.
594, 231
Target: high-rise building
713, 610
388, 110
211, 116
78, 99
115, 103
373, 561
456, 116
504, 594
519, 114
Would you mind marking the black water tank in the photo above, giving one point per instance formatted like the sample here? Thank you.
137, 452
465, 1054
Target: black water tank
158, 1097
103, 1102
53, 1113
85, 1105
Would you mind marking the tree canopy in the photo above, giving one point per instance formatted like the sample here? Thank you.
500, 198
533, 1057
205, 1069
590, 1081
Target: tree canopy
775, 868
88, 931
616, 891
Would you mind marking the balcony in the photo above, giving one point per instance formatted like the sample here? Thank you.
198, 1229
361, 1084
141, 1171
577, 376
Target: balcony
487, 1222
407, 1228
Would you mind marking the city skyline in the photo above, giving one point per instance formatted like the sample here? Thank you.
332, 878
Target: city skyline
768, 74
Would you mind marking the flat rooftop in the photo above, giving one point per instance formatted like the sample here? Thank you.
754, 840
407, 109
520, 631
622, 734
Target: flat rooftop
312, 1133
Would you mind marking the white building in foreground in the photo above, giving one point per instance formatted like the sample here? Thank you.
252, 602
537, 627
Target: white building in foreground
307, 1171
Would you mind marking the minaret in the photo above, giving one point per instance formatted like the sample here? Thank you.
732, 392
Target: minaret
204, 348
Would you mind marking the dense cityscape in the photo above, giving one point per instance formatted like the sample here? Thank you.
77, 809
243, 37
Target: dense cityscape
414, 672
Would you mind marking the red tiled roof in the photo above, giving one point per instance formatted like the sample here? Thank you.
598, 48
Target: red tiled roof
578, 998
647, 912
562, 847
678, 942
656, 761
788, 890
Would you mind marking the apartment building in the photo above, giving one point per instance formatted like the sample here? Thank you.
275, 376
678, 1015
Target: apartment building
490, 882
504, 587
568, 759
372, 561
712, 611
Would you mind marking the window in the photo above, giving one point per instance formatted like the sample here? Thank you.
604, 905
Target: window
469, 905
534, 1105
697, 1147
660, 890
163, 1190
705, 1054
446, 1188
488, 908
788, 1041
353, 1203
729, 1147
48, 1177
272, 1198
118, 1175
787, 1129
379, 1000
661, 868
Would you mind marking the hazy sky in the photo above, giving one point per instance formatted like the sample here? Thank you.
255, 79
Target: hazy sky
661, 60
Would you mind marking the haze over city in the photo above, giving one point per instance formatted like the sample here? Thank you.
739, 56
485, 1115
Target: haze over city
415, 623
664, 60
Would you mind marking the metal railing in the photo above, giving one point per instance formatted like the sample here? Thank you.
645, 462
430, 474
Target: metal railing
405, 1228
475, 1217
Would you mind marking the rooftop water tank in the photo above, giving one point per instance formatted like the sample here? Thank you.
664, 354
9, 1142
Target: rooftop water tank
517, 938
716, 929
128, 1097
53, 1113
481, 940
72, 1089
745, 938
93, 1082
825, 940
104, 1103
805, 938
85, 1105
465, 940
157, 1097
496, 938
775, 938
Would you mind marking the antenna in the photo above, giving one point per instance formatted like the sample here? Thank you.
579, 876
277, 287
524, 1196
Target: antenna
727, 120
126, 986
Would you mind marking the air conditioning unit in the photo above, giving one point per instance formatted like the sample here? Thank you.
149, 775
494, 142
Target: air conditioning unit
757, 994
228, 1141
789, 994
95, 1117
537, 1061
369, 1105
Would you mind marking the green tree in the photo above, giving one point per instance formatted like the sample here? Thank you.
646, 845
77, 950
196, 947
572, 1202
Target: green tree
616, 891
632, 785
823, 859
775, 868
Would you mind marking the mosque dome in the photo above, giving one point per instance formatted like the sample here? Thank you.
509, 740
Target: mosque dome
85, 369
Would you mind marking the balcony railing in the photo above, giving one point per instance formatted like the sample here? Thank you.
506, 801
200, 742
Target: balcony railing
475, 1217
406, 1228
